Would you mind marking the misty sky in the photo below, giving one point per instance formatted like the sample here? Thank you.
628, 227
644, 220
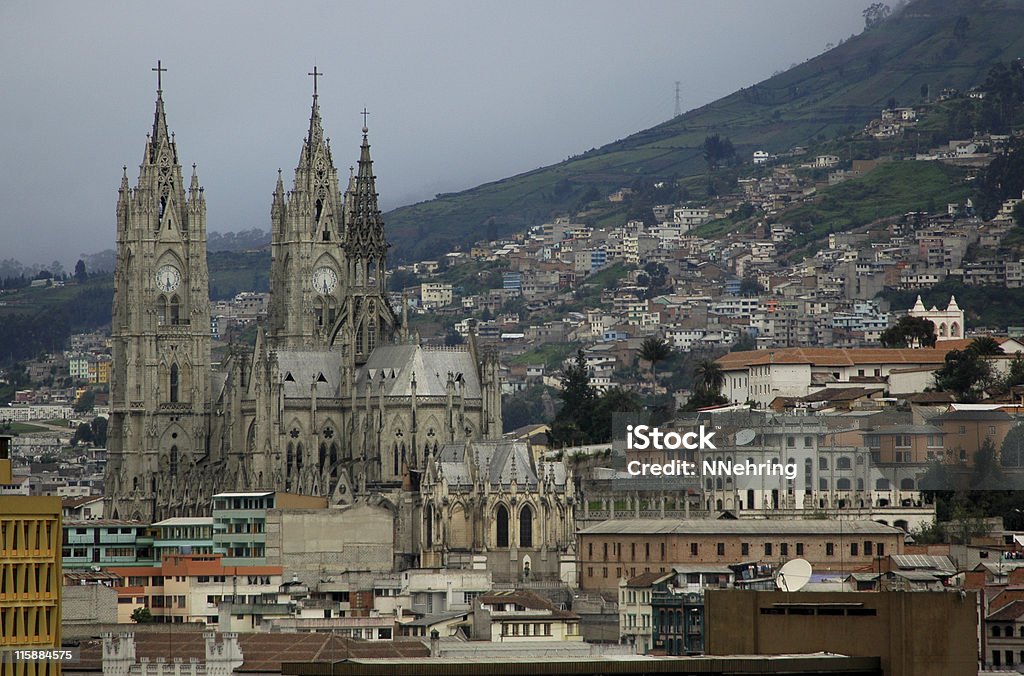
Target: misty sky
459, 93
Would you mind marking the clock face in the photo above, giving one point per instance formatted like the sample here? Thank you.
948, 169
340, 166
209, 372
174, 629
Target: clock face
167, 278
325, 280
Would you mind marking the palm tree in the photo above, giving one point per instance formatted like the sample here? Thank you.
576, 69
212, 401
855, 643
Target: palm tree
985, 346
653, 350
709, 377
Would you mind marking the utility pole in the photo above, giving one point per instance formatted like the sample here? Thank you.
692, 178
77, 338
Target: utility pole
679, 110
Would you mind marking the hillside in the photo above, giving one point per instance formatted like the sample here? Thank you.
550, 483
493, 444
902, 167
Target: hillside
928, 44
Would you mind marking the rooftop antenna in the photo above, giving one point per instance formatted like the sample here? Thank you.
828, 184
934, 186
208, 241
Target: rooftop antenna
793, 575
679, 109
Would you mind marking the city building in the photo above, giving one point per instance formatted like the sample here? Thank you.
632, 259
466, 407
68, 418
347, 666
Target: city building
30, 574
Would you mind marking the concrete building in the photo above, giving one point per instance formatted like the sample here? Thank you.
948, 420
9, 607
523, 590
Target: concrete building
106, 542
240, 522
914, 634
30, 573
189, 588
635, 609
522, 616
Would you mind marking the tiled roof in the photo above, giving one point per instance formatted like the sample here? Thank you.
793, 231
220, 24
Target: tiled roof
832, 356
1007, 613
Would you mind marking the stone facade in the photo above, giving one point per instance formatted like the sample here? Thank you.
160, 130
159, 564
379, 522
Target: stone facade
335, 399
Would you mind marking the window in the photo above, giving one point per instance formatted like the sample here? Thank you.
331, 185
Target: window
799, 549
790, 442
744, 548
853, 549
526, 527
693, 549
808, 442
784, 549
767, 549
662, 551
830, 549
880, 549
720, 547
174, 383
867, 548
501, 516
843, 462
822, 463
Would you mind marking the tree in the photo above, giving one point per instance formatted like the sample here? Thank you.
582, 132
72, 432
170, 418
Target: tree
966, 374
80, 274
83, 433
709, 377
614, 400
653, 350
85, 402
99, 431
573, 421
717, 150
142, 616
909, 332
875, 14
985, 346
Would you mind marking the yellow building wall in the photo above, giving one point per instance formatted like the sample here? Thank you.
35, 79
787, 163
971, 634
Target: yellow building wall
30, 579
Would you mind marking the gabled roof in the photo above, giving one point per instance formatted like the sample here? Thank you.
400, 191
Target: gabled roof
1008, 613
830, 356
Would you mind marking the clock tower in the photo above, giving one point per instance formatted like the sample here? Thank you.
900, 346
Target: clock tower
307, 228
160, 385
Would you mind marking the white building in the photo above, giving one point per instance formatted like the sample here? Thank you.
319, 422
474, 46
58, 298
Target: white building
949, 323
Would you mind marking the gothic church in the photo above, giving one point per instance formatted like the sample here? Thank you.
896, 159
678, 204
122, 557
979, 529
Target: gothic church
336, 398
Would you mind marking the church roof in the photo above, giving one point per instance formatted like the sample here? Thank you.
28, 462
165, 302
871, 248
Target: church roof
498, 461
397, 365
299, 369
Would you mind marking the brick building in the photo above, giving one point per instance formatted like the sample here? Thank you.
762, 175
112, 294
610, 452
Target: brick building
617, 548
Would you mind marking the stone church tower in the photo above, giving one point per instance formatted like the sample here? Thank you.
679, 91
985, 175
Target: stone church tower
160, 385
334, 399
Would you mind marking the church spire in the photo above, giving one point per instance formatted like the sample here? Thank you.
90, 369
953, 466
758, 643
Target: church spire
365, 232
160, 138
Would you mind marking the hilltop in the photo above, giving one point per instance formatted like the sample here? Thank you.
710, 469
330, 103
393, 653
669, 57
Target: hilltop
929, 46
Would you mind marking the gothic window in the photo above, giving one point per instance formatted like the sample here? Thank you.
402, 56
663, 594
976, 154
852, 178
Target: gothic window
174, 383
394, 461
290, 456
334, 460
175, 304
163, 206
371, 335
323, 456
298, 457
359, 339
172, 463
501, 526
526, 527
161, 309
429, 526
318, 312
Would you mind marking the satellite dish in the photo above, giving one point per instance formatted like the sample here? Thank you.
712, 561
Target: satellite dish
793, 575
744, 437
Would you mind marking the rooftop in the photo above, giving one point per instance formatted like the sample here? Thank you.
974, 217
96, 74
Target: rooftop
742, 527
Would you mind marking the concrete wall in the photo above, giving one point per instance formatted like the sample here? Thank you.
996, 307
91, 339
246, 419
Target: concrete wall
316, 543
88, 604
915, 633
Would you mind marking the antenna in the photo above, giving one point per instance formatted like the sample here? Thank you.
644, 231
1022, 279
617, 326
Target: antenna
679, 110
793, 575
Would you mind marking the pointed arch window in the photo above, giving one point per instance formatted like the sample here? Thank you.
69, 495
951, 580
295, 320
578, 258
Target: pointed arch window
175, 309
172, 462
429, 540
298, 457
394, 459
371, 335
320, 210
161, 309
501, 526
526, 527
334, 460
174, 383
359, 339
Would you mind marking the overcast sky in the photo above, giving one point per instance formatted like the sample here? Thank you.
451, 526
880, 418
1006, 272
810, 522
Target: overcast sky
459, 93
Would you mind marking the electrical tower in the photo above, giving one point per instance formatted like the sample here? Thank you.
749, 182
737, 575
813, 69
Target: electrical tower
679, 110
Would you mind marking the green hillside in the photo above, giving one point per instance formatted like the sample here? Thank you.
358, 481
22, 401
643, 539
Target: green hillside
933, 43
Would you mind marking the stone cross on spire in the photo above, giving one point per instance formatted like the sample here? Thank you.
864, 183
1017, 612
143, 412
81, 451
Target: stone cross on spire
159, 77
315, 74
365, 113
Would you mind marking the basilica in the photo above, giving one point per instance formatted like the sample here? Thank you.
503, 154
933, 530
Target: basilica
337, 398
